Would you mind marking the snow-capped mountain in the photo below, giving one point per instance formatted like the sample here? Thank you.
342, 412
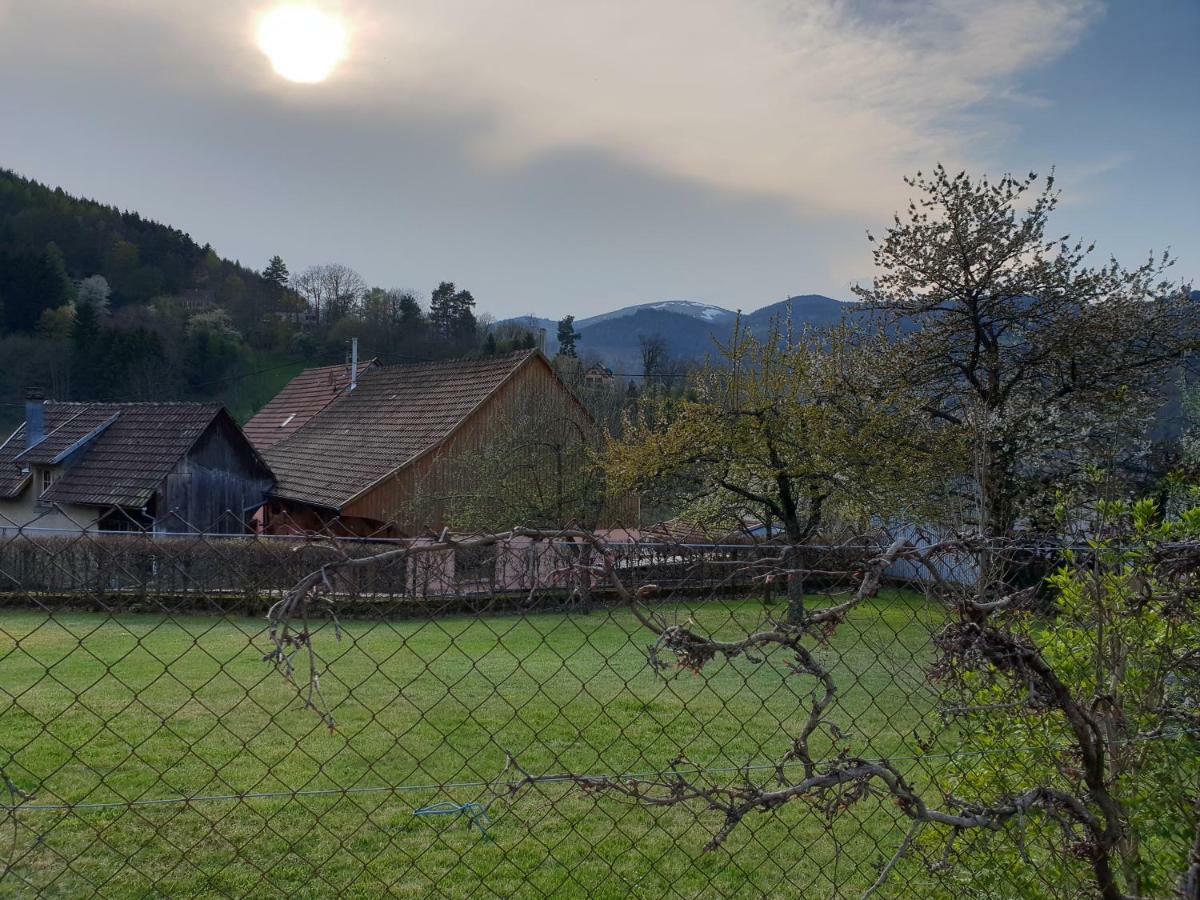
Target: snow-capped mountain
689, 327
692, 308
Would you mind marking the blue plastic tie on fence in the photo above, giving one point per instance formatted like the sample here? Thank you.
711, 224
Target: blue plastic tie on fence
476, 815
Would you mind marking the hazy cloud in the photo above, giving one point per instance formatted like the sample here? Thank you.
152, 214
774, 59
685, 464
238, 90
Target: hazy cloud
560, 155
821, 103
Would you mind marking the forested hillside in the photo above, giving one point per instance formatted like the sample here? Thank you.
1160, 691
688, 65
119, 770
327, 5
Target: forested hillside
98, 303
49, 238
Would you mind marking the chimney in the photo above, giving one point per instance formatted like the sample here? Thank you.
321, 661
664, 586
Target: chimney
35, 418
541, 340
353, 363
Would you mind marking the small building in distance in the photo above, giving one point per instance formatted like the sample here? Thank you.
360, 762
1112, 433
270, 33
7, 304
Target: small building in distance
396, 455
158, 467
598, 375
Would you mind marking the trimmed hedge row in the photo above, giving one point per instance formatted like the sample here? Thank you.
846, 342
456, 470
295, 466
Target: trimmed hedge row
146, 565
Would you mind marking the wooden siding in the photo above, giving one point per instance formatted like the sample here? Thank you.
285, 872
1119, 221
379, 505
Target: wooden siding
293, 517
410, 500
215, 488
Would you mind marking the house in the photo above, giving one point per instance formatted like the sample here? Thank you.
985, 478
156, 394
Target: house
305, 318
162, 467
197, 300
303, 397
598, 375
386, 457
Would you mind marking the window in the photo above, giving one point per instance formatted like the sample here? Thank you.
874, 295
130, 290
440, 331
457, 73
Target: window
47, 480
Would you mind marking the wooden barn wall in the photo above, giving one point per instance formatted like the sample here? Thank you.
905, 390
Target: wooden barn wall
216, 486
404, 499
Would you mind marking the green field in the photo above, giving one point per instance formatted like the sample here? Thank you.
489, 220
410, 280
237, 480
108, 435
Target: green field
111, 709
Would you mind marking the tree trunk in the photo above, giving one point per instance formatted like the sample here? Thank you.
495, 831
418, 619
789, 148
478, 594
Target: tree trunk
995, 513
793, 560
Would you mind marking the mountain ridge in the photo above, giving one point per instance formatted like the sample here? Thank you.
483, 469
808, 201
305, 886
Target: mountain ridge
690, 328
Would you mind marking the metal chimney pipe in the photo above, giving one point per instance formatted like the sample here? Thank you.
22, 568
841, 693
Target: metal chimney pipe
353, 363
35, 418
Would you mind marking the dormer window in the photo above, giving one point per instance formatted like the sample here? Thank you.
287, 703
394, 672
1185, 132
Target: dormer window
47, 480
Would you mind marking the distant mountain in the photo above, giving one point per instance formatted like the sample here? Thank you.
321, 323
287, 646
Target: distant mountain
813, 310
533, 323
694, 309
689, 327
617, 340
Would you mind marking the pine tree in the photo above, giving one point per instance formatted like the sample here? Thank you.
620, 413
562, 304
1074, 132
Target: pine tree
441, 310
451, 313
85, 353
276, 273
464, 327
567, 337
409, 310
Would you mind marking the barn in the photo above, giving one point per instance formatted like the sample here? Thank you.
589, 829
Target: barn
406, 448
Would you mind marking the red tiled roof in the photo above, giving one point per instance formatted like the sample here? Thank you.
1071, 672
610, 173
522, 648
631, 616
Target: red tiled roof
394, 415
301, 399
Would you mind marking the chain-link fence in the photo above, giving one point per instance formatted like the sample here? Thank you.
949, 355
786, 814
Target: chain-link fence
571, 713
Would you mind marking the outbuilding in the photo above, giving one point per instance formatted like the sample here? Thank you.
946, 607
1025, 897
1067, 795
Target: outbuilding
158, 467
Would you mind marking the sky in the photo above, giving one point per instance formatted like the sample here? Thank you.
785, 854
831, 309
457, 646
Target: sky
573, 157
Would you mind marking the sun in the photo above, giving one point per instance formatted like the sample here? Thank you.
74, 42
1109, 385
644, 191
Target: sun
304, 43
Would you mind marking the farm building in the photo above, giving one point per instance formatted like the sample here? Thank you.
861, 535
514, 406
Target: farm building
162, 467
414, 447
598, 375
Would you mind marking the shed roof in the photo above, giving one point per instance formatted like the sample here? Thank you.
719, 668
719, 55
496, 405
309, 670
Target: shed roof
396, 414
302, 398
130, 449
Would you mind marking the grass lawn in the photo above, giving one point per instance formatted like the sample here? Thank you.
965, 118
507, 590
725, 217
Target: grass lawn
98, 709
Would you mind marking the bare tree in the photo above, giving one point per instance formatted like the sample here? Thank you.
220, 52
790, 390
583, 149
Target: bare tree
332, 291
536, 466
654, 353
1116, 719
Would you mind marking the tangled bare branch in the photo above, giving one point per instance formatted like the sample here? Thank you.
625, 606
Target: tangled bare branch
1092, 821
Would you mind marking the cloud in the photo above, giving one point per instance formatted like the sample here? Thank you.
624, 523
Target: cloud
822, 104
